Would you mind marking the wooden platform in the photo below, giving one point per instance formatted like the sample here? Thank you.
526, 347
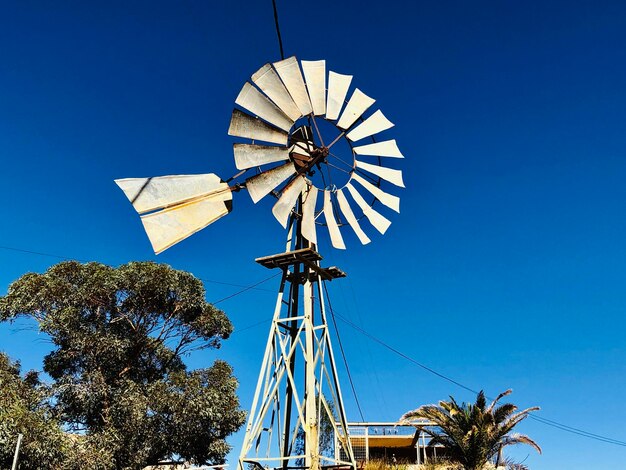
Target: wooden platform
306, 256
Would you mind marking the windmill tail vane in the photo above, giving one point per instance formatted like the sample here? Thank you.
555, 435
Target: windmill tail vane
173, 208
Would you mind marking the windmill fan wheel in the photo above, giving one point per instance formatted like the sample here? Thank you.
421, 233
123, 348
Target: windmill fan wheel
285, 104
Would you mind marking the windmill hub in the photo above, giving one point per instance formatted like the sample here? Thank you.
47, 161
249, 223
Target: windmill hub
319, 155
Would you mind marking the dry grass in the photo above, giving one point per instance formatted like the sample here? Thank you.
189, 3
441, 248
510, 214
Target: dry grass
382, 465
432, 465
440, 465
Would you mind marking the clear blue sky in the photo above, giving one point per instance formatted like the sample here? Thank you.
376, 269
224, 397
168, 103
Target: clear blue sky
506, 267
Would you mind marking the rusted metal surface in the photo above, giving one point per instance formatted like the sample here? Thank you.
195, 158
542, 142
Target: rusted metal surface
262, 184
244, 125
268, 81
289, 72
282, 260
257, 103
307, 256
251, 155
286, 202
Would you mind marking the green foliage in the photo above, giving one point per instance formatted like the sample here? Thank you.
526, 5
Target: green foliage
24, 408
474, 433
119, 379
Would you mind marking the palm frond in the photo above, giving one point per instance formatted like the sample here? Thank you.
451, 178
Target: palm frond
417, 413
481, 401
517, 438
517, 418
498, 398
503, 412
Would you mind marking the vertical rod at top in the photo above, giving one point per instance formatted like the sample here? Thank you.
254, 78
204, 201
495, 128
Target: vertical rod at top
280, 39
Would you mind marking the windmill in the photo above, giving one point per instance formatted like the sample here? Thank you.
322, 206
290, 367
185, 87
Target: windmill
282, 152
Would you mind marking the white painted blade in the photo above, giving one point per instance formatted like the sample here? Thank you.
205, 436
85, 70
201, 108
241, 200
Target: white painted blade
287, 200
358, 104
335, 235
379, 222
388, 174
148, 194
250, 155
315, 78
260, 185
254, 101
170, 226
388, 148
354, 223
269, 82
289, 72
393, 202
337, 90
374, 124
244, 125
308, 215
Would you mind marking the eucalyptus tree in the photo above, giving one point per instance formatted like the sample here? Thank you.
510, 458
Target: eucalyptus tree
119, 379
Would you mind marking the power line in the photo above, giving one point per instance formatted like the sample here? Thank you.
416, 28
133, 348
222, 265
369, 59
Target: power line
211, 281
244, 290
343, 354
254, 325
237, 285
580, 432
549, 422
401, 354
40, 253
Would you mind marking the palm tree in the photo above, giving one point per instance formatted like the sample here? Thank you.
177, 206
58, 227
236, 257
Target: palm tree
474, 433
